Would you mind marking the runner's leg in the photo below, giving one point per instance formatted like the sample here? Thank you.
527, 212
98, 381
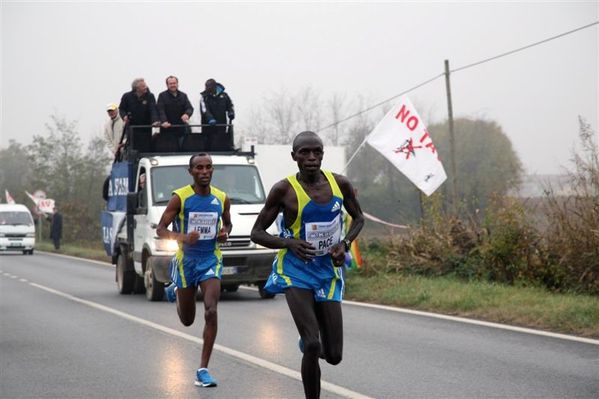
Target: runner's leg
186, 304
211, 292
301, 305
330, 320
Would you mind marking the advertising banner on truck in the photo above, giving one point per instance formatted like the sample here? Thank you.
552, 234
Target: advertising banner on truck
122, 181
111, 222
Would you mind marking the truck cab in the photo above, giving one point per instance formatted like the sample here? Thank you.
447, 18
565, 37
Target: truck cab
129, 225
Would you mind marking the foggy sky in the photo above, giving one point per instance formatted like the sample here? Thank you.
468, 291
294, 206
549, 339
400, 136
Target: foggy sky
73, 59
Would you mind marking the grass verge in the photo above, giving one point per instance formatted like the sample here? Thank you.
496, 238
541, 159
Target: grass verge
522, 306
78, 250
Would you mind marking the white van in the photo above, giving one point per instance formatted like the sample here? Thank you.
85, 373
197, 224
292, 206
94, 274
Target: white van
17, 230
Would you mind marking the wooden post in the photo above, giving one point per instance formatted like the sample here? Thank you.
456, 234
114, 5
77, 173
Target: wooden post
454, 178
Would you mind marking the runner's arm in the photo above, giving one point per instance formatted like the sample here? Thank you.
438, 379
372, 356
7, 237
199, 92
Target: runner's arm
225, 230
173, 207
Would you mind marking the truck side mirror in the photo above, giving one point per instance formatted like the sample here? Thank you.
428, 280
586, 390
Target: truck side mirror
131, 203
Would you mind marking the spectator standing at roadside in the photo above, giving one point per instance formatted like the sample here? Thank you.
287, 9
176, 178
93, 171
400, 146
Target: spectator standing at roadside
56, 228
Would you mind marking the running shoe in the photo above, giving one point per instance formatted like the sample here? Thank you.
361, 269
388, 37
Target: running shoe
204, 379
171, 292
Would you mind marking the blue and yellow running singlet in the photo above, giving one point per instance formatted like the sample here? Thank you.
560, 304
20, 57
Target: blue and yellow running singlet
320, 225
202, 260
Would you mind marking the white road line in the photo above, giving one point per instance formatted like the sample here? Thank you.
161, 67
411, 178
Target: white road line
336, 389
467, 321
23, 280
424, 314
476, 322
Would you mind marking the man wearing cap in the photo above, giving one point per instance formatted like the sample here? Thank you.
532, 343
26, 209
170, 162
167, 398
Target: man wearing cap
113, 130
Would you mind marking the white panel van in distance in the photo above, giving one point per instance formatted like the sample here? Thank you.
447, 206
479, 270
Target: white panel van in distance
17, 229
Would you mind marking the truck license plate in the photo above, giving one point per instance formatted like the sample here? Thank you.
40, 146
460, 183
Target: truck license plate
228, 270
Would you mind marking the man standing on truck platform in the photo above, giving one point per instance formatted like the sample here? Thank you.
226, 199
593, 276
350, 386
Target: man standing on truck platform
307, 268
174, 108
215, 107
138, 107
200, 214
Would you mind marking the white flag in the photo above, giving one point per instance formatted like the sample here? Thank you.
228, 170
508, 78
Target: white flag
403, 139
45, 205
9, 198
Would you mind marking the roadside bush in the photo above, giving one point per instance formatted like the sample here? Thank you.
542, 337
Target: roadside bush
572, 236
510, 251
508, 246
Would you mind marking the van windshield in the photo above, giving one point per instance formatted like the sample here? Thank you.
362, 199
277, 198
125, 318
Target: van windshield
16, 218
241, 183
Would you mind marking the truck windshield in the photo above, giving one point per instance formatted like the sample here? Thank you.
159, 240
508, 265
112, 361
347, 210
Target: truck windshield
241, 183
16, 218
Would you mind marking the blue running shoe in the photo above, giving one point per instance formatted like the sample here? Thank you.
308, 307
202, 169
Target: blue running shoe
204, 379
300, 344
171, 292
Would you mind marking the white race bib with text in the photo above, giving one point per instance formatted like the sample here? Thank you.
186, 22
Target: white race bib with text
204, 223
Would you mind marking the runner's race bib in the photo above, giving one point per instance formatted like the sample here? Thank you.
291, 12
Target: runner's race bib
323, 235
204, 223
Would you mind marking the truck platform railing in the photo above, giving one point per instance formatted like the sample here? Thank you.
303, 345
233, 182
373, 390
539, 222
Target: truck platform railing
152, 140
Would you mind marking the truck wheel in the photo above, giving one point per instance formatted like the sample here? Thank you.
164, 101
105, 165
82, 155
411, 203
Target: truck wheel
124, 278
139, 286
154, 288
263, 293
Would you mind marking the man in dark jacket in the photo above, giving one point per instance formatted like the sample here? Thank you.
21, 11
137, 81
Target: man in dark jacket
216, 106
174, 108
56, 228
138, 107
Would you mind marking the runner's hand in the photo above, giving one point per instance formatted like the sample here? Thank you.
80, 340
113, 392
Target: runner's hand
300, 248
223, 235
191, 238
337, 252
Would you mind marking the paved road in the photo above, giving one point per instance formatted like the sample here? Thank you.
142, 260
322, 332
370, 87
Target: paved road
66, 333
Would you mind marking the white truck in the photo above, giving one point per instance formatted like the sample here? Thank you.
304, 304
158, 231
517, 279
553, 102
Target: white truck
133, 212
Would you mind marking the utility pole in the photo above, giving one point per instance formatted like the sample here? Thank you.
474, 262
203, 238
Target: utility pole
454, 179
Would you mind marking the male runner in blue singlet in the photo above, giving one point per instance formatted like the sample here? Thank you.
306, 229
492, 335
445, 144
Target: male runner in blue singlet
200, 215
312, 251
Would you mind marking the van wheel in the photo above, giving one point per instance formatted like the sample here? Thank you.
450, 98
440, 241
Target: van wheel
31, 252
263, 293
154, 288
125, 279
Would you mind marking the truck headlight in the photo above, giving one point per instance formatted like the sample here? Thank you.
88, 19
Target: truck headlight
167, 245
30, 235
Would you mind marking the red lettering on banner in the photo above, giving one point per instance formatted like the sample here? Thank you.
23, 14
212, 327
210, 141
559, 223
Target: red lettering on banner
411, 123
430, 144
407, 148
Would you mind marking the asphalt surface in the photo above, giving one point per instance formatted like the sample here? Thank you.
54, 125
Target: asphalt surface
66, 333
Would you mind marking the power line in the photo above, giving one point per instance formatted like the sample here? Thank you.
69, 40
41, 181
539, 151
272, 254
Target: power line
523, 48
381, 103
456, 70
